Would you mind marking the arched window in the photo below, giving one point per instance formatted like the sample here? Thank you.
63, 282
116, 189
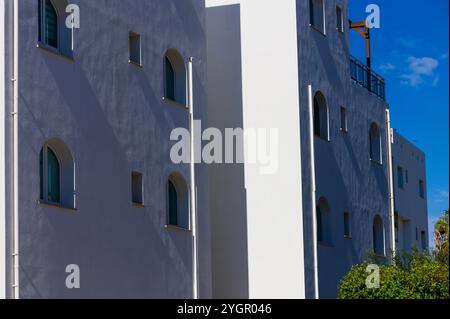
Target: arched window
173, 204
321, 121
51, 24
174, 77
378, 237
170, 80
323, 212
50, 186
375, 143
56, 172
53, 33
177, 201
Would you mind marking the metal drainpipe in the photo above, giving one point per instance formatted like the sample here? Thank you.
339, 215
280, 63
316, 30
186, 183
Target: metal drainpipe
313, 191
15, 160
193, 189
390, 140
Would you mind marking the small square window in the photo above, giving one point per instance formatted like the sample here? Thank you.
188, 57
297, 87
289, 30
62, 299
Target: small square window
137, 188
317, 14
423, 237
422, 189
339, 19
344, 123
400, 178
347, 227
135, 48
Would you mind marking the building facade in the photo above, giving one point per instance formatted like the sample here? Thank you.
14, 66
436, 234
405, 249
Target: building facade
95, 176
411, 214
87, 181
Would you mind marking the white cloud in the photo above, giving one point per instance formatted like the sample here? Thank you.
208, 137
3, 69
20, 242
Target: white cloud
441, 196
420, 70
386, 67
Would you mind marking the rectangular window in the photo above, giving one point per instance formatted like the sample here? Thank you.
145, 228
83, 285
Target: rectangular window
422, 189
407, 176
424, 240
137, 188
344, 123
317, 14
347, 228
339, 19
400, 177
135, 48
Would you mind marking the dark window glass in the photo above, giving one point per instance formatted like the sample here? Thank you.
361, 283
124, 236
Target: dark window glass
53, 177
169, 80
173, 205
51, 25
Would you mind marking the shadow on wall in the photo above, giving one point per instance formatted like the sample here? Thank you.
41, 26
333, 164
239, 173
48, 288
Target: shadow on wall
88, 235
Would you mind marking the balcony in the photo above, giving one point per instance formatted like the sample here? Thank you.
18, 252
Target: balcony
370, 80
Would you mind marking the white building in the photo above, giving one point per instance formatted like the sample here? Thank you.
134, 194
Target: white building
86, 177
411, 213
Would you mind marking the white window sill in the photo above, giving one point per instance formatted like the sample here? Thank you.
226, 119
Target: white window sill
54, 52
138, 205
175, 103
321, 32
325, 140
375, 162
139, 65
177, 228
54, 205
348, 237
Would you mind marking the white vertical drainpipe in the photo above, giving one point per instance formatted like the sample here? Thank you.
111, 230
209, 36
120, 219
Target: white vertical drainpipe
193, 189
15, 161
390, 140
313, 190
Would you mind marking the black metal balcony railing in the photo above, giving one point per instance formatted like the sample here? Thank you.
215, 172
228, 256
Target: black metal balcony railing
360, 74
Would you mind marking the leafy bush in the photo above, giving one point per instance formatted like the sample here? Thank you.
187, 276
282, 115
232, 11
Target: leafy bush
411, 276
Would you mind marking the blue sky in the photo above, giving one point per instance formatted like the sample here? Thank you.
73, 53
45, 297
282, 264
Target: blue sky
411, 51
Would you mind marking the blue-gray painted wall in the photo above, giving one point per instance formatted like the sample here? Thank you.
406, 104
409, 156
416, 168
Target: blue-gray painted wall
111, 116
345, 175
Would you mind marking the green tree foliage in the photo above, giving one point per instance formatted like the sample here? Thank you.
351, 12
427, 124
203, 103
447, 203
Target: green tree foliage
413, 275
441, 238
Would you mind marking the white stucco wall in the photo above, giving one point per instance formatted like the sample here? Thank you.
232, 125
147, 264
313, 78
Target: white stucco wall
410, 207
272, 207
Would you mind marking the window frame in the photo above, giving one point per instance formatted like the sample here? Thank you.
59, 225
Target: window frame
339, 19
137, 174
170, 183
379, 145
45, 180
400, 178
134, 35
312, 22
422, 189
64, 47
321, 117
42, 37
423, 239
343, 119
382, 236
166, 95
